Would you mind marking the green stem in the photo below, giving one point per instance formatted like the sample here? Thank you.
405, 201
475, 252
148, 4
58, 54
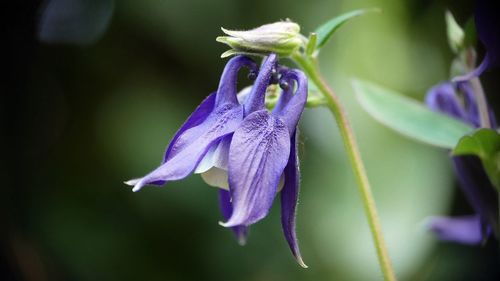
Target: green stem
310, 67
484, 113
477, 89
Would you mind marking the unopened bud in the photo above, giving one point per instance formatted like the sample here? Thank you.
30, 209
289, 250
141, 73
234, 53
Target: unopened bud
282, 38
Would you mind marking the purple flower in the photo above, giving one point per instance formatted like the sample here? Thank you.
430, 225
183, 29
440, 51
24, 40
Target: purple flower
459, 103
243, 147
487, 23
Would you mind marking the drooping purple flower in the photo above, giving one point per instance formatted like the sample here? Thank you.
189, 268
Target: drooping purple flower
472, 178
243, 148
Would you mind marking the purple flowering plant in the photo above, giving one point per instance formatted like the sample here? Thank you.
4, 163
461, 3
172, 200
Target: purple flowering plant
245, 143
457, 117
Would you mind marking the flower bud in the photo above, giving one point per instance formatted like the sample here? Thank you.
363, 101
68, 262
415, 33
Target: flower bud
282, 38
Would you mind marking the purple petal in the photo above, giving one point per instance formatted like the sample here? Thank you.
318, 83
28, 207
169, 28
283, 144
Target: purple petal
226, 93
477, 188
217, 156
442, 98
289, 199
226, 209
196, 118
199, 115
292, 111
465, 230
476, 72
193, 144
257, 157
256, 99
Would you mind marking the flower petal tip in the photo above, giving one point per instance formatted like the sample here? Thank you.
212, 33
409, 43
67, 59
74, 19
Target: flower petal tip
230, 223
132, 182
137, 187
225, 224
136, 183
301, 262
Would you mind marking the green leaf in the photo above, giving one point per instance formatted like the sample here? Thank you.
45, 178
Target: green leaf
325, 31
485, 144
409, 117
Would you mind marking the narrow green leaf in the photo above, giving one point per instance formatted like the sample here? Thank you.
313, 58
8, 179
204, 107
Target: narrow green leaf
409, 117
485, 144
326, 30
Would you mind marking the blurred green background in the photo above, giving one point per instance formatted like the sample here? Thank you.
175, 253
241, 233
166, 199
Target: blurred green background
78, 121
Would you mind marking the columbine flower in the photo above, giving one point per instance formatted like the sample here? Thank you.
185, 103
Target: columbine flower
243, 147
282, 38
471, 175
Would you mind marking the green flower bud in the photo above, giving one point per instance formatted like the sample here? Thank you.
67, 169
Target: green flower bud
455, 33
282, 38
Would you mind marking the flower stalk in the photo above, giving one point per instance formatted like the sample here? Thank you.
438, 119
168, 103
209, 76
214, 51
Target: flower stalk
484, 115
310, 66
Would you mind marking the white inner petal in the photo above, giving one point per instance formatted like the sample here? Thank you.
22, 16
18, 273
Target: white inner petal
217, 156
207, 162
216, 177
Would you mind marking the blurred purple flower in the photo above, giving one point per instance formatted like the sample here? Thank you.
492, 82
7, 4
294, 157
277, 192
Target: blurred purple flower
459, 103
243, 146
487, 23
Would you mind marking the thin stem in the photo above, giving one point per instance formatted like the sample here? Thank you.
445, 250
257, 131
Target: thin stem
477, 88
310, 67
484, 113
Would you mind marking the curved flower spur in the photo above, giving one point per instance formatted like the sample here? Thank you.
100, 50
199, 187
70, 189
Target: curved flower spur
243, 147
